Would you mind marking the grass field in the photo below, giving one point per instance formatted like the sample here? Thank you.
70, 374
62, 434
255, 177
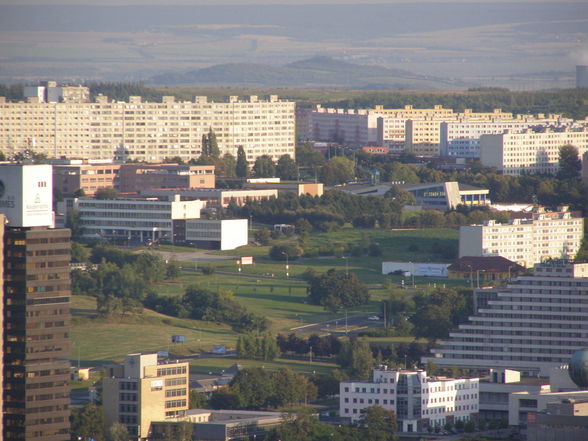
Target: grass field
217, 365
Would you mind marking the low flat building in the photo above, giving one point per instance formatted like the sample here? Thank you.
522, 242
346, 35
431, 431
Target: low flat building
419, 401
86, 176
221, 425
564, 420
222, 234
300, 188
215, 197
144, 389
484, 269
447, 195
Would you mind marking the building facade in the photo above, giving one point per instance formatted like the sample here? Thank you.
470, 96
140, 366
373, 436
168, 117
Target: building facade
543, 235
70, 178
144, 389
531, 326
137, 177
447, 195
216, 197
530, 151
148, 131
419, 401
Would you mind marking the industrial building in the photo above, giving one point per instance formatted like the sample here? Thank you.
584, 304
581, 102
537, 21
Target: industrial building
419, 401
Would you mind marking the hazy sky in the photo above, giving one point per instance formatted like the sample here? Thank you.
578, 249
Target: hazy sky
256, 2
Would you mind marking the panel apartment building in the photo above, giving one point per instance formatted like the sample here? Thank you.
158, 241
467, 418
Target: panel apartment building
530, 151
36, 308
533, 325
529, 241
144, 389
147, 131
419, 401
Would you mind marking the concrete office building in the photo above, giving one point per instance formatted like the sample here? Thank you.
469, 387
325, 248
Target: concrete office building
36, 309
528, 241
566, 419
531, 326
144, 389
136, 177
148, 131
419, 401
89, 177
530, 151
136, 219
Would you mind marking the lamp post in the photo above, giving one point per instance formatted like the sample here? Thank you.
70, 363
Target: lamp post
287, 264
412, 273
346, 264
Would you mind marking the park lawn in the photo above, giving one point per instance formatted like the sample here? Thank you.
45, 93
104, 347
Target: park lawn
218, 364
96, 341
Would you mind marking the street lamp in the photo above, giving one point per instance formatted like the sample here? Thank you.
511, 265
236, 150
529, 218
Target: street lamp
346, 264
287, 263
412, 273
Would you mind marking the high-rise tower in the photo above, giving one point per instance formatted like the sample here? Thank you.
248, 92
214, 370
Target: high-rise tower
36, 309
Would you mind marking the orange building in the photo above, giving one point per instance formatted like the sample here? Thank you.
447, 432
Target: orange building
136, 177
70, 178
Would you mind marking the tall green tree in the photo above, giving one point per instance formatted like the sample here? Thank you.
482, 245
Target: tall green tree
118, 432
286, 168
242, 167
213, 149
337, 171
336, 290
570, 164
87, 422
227, 166
379, 424
264, 167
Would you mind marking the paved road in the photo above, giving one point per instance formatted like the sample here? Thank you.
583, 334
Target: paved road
193, 256
355, 324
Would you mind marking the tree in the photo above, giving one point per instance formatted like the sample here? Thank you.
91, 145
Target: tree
118, 432
79, 253
213, 149
225, 399
72, 221
570, 164
436, 314
286, 168
253, 385
337, 171
87, 422
227, 166
197, 400
380, 424
336, 290
264, 167
106, 193
242, 166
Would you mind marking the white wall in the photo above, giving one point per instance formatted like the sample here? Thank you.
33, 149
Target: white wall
234, 233
470, 241
420, 269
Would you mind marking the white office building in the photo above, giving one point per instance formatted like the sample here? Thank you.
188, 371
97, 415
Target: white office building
530, 151
526, 241
419, 401
158, 220
531, 326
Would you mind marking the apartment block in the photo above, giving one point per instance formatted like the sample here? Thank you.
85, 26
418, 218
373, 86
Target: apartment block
533, 325
144, 389
555, 235
148, 131
461, 138
419, 401
353, 127
530, 151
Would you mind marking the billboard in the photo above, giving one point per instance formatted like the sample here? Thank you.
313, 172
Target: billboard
26, 194
219, 349
178, 339
247, 260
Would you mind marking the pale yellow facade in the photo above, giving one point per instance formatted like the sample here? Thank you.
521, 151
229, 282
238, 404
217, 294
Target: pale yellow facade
142, 390
148, 131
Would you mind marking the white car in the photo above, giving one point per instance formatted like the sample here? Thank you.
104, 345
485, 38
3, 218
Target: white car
373, 317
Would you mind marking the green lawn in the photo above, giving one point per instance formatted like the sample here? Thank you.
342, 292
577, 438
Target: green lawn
217, 365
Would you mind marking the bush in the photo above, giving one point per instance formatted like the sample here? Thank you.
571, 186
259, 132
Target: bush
285, 252
374, 250
207, 270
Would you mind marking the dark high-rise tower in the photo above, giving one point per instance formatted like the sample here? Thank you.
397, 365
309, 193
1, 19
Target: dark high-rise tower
36, 309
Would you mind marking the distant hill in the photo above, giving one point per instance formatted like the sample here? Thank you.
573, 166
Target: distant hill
315, 72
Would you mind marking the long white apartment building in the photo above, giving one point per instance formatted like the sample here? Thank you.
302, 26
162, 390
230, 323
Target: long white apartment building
147, 131
419, 401
462, 138
525, 241
532, 326
530, 151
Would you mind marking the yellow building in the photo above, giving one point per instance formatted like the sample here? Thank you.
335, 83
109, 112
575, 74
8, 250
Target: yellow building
147, 131
144, 389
